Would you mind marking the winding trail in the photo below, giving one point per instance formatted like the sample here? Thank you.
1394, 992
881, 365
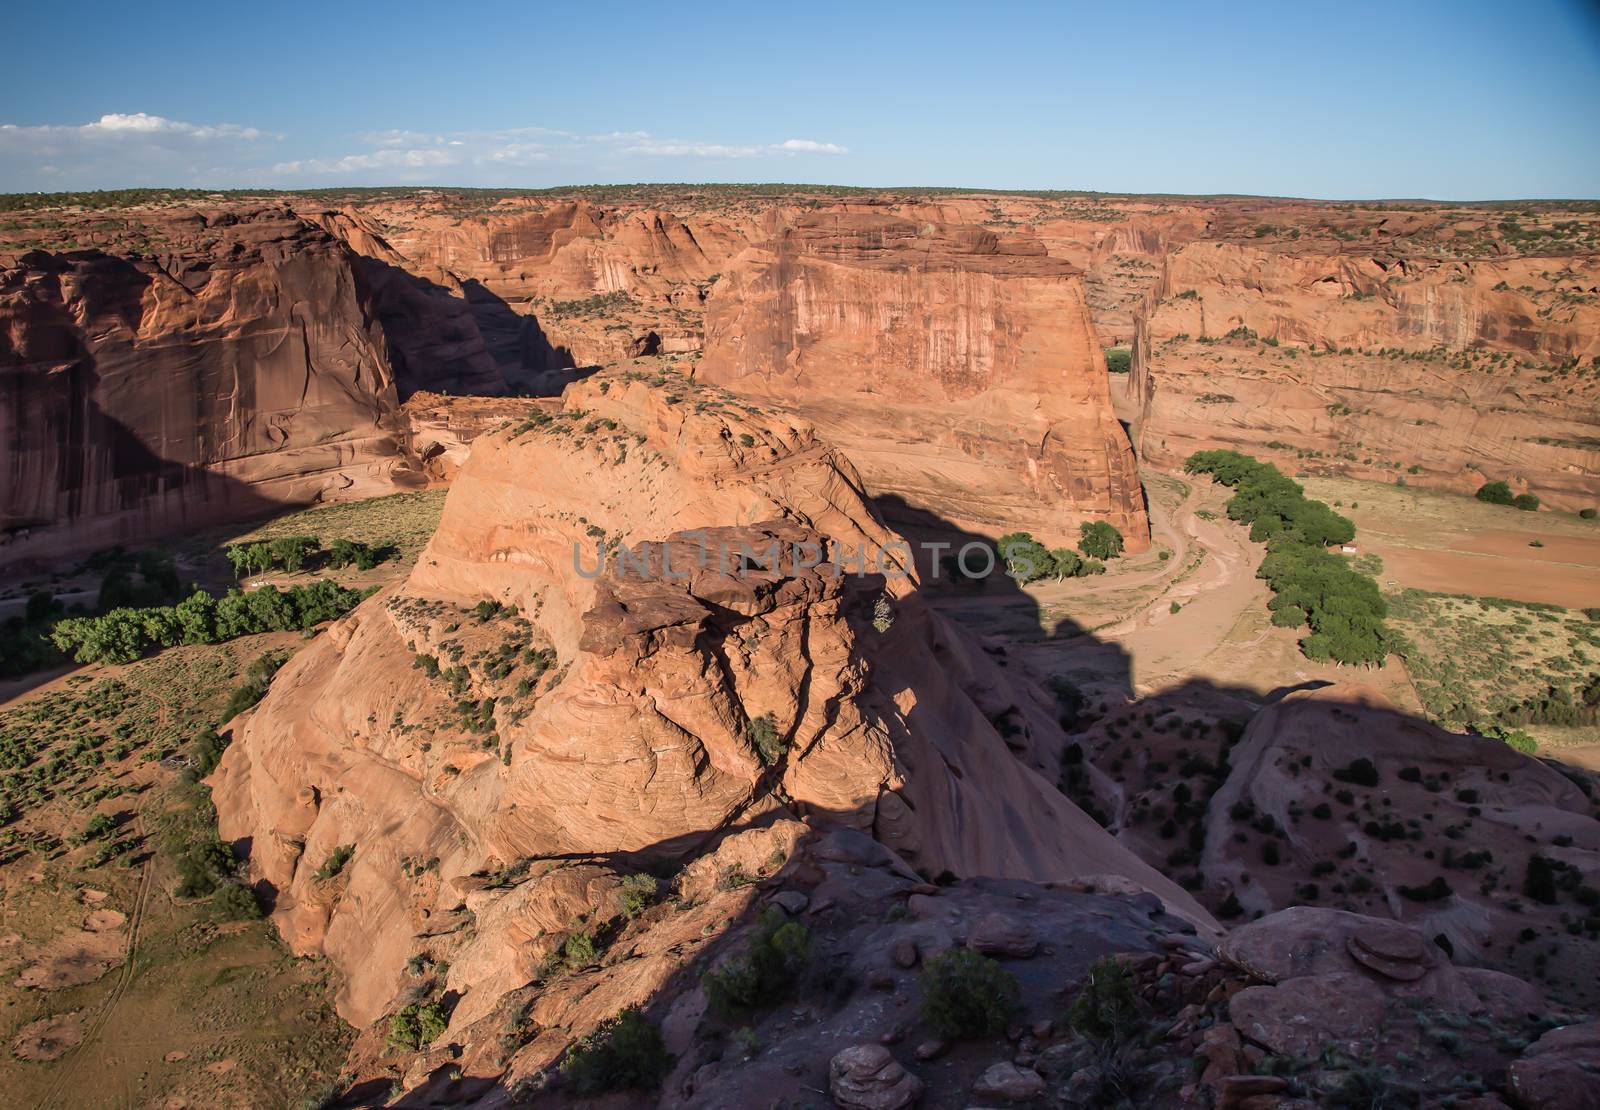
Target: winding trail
1210, 576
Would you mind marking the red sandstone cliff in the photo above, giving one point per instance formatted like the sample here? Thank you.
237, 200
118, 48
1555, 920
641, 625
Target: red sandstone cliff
236, 366
1449, 373
960, 370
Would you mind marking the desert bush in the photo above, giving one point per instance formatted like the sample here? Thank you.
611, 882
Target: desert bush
1527, 502
236, 902
775, 957
335, 861
765, 737
965, 994
638, 893
1495, 493
1105, 1009
202, 867
625, 1052
1119, 360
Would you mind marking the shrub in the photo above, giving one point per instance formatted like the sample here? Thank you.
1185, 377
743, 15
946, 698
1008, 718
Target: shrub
336, 861
638, 893
623, 1053
1527, 502
236, 902
773, 961
1435, 890
1105, 1009
202, 867
1589, 514
1119, 360
1360, 772
965, 994
1539, 882
416, 1025
768, 742
1495, 493
253, 687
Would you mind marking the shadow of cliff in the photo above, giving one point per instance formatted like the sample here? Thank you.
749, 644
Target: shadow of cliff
80, 476
471, 342
1116, 743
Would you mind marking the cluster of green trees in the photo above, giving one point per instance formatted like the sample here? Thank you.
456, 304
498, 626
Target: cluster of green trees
1498, 493
128, 580
293, 553
1028, 560
1312, 586
124, 634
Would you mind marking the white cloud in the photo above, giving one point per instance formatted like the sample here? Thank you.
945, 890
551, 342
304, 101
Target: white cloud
811, 146
138, 148
372, 160
126, 148
139, 123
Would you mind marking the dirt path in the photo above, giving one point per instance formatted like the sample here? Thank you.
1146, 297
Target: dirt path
65, 1081
1215, 602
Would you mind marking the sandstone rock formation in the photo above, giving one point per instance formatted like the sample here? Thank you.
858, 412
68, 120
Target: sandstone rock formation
1444, 372
641, 714
959, 369
235, 366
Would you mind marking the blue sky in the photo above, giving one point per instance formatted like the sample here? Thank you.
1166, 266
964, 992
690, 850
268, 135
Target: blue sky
1461, 100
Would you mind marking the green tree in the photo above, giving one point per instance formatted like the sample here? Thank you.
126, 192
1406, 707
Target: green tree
1495, 493
772, 962
1099, 539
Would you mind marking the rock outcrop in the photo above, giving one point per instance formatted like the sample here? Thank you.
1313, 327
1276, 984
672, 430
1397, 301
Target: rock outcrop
1333, 797
641, 712
959, 369
233, 365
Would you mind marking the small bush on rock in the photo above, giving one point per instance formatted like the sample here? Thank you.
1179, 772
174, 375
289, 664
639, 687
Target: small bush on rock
1105, 1009
965, 994
776, 957
623, 1053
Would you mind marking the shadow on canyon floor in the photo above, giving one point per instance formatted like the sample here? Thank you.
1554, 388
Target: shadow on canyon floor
1188, 732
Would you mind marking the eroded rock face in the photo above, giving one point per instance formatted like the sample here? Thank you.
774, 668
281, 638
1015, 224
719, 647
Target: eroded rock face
235, 366
1445, 372
646, 710
960, 370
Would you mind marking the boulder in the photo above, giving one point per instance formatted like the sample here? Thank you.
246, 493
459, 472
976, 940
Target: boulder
1009, 1083
999, 934
868, 1077
1559, 1071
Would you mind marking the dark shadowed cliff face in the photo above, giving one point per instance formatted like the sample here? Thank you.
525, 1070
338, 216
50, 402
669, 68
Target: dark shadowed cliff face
238, 365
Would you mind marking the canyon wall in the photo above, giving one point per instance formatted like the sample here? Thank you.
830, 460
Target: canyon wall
958, 369
1444, 372
234, 366
626, 715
